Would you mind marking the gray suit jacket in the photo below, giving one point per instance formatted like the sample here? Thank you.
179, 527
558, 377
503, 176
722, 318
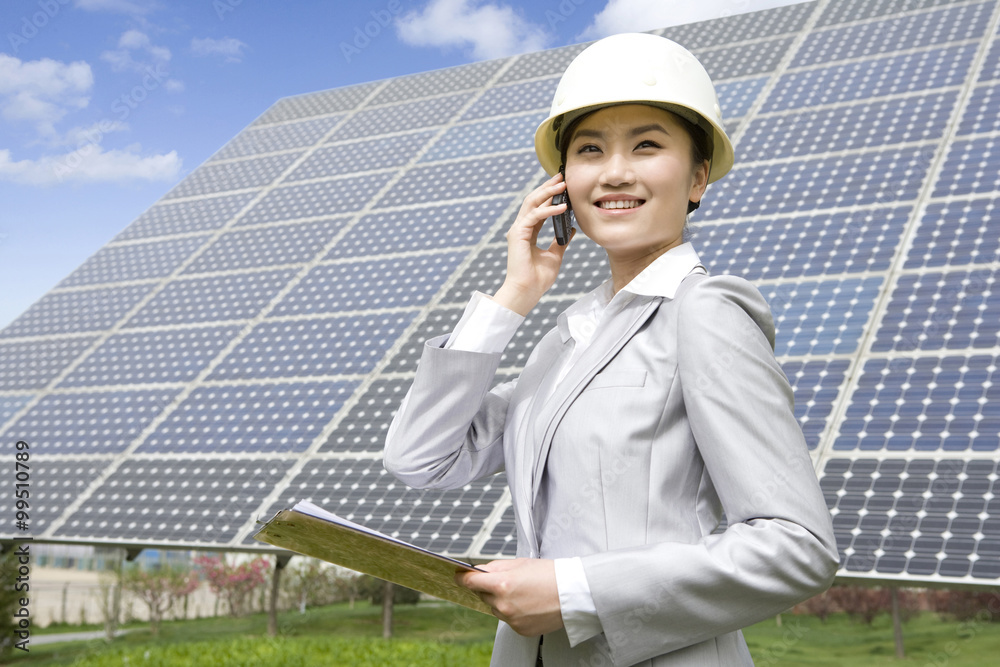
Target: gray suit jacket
676, 413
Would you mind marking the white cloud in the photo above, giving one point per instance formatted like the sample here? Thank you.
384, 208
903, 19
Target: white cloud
641, 15
174, 86
91, 164
92, 134
491, 30
42, 91
230, 47
121, 6
133, 41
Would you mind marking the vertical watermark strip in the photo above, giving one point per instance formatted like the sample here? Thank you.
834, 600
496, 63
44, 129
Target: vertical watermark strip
22, 521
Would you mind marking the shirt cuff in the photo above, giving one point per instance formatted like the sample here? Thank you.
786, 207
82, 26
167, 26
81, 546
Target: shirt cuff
579, 614
486, 327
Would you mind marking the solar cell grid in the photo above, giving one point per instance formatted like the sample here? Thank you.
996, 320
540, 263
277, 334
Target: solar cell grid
736, 98
335, 196
151, 356
71, 312
11, 405
488, 136
938, 26
399, 117
267, 246
502, 542
237, 175
991, 66
856, 10
311, 347
933, 311
203, 214
972, 166
816, 207
448, 80
888, 75
874, 177
91, 423
513, 98
357, 156
438, 322
175, 500
541, 63
956, 233
364, 428
135, 261
745, 59
923, 404
361, 490
980, 112
738, 27
33, 364
816, 386
820, 317
425, 228
317, 104
255, 418
286, 136
923, 536
54, 486
462, 178
215, 298
380, 283
863, 125
803, 245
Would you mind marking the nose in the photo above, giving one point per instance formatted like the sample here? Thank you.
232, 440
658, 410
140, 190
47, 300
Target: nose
617, 170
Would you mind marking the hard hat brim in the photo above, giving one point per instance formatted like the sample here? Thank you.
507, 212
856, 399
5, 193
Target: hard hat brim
547, 136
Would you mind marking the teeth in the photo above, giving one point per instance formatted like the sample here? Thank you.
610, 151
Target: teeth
619, 203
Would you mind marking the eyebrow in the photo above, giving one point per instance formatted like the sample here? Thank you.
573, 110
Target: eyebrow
635, 131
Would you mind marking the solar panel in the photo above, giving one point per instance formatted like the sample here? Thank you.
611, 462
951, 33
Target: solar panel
244, 343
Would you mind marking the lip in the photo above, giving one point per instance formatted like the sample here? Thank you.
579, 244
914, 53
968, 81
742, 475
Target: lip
618, 197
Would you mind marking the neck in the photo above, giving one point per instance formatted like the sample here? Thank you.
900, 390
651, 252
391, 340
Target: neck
624, 269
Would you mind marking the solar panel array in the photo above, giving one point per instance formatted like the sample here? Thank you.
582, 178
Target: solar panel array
243, 344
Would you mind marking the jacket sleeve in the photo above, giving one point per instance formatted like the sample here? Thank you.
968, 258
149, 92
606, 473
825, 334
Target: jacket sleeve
779, 547
448, 430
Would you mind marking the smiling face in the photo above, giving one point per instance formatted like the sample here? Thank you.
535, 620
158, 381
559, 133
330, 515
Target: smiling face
630, 175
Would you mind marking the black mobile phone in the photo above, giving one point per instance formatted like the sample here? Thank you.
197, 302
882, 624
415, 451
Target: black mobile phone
562, 223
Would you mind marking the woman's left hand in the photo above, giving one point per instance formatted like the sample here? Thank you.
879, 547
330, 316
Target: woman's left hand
522, 593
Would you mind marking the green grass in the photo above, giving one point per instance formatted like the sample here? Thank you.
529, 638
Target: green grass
439, 634
928, 641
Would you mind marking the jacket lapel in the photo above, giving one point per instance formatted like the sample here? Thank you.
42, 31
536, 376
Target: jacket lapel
606, 344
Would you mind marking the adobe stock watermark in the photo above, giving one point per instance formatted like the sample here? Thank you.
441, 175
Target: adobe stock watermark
363, 36
564, 10
122, 107
223, 7
30, 25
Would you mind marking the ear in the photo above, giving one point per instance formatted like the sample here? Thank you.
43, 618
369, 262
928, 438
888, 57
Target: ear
699, 182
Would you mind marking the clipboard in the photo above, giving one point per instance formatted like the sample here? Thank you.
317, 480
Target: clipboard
312, 531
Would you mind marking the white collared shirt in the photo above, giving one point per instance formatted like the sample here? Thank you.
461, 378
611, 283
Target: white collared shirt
488, 327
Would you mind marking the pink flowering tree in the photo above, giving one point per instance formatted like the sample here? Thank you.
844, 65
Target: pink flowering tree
234, 582
159, 590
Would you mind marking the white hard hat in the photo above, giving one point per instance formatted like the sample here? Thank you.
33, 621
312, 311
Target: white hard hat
635, 68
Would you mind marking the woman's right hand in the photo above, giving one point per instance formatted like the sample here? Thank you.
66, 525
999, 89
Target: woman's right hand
531, 270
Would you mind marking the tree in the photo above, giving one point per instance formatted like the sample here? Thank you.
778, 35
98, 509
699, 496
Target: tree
159, 589
9, 601
234, 582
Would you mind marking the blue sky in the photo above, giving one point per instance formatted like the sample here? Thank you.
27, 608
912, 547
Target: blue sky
105, 105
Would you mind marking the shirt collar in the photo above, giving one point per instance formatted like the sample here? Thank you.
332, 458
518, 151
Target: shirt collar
664, 275
661, 278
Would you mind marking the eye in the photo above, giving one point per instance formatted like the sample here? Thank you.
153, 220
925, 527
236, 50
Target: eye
648, 143
587, 148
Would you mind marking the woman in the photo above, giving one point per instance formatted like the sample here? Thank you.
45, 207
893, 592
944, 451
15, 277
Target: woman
655, 406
